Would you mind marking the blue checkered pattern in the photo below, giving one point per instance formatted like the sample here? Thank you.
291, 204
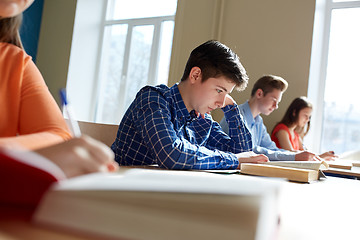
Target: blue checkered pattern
158, 129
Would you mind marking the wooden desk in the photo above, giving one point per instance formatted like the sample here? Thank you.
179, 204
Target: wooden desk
327, 209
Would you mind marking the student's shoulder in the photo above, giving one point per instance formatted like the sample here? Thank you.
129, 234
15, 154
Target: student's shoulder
148, 94
154, 91
280, 127
12, 52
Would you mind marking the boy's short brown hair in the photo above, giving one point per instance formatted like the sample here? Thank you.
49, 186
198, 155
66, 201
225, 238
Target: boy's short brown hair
215, 60
268, 83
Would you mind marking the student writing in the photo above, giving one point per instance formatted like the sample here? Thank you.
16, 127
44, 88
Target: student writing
22, 184
265, 97
291, 130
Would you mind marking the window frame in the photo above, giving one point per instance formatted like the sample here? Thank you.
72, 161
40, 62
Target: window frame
318, 65
153, 62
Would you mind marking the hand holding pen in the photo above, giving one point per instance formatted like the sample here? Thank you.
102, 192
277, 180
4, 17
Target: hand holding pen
72, 123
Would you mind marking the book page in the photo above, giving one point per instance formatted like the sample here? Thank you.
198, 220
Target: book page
168, 181
313, 165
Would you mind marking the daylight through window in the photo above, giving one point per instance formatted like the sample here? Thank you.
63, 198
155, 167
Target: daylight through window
135, 52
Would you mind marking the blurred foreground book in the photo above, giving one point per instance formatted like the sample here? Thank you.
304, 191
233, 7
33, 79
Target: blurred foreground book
162, 204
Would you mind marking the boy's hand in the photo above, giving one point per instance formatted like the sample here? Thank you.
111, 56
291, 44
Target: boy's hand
307, 156
228, 100
251, 157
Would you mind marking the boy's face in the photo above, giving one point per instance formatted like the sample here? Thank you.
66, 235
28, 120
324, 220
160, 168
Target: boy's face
210, 94
269, 102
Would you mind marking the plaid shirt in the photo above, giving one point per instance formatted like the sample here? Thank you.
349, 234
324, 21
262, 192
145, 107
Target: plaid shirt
158, 129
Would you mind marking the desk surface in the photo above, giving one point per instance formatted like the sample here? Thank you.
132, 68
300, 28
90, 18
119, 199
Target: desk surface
323, 210
326, 209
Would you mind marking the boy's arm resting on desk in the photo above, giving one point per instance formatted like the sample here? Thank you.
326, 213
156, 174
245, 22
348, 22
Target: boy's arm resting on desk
268, 147
275, 155
266, 141
153, 130
175, 152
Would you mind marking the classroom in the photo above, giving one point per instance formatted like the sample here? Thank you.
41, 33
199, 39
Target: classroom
89, 48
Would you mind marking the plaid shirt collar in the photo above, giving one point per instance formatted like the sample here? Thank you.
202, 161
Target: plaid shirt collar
182, 114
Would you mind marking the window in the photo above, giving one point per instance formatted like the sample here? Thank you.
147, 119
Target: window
136, 49
335, 88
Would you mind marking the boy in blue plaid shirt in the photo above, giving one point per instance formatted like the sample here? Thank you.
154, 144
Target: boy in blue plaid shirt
172, 126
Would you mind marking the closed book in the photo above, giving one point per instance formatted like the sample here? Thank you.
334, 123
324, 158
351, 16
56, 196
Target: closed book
298, 171
162, 204
342, 164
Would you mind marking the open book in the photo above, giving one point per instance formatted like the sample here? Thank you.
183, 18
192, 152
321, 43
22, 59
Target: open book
299, 171
356, 164
342, 164
350, 158
162, 204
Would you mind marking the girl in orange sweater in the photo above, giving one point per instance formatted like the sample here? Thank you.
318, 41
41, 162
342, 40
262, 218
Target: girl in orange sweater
28, 110
29, 115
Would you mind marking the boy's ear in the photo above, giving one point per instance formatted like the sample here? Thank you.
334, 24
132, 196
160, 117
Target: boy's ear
259, 93
195, 74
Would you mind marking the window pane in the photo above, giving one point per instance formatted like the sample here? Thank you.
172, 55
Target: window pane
138, 54
341, 126
165, 51
125, 9
139, 61
112, 57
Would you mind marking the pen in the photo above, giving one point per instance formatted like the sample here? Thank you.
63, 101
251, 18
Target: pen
72, 123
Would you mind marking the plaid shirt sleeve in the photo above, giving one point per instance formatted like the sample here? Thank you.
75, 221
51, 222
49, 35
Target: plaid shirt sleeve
170, 149
239, 138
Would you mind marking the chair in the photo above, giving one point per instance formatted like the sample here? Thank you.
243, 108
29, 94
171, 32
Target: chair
105, 133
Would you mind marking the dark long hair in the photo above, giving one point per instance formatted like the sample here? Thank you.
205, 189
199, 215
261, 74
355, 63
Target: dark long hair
9, 30
292, 114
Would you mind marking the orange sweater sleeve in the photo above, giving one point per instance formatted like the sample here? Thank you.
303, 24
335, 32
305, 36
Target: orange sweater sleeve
31, 117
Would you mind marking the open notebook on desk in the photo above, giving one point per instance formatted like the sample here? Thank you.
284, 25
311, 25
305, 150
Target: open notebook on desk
347, 165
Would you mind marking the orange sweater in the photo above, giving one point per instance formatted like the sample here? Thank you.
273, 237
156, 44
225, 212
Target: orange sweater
29, 115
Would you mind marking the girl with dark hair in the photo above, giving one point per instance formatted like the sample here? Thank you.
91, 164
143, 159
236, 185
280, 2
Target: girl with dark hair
289, 133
